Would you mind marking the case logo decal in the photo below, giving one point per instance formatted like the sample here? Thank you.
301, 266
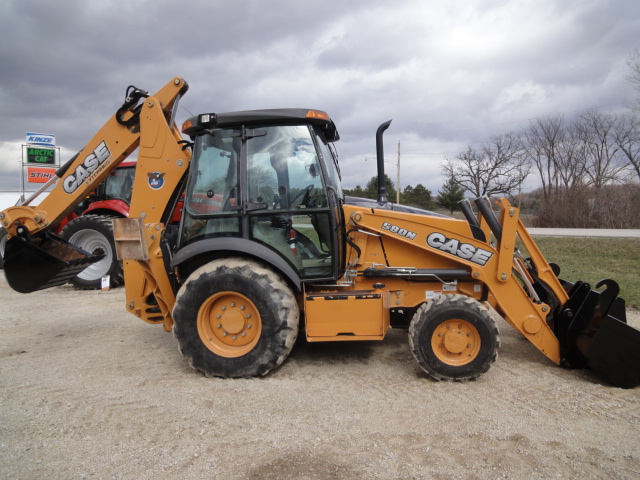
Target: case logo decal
459, 249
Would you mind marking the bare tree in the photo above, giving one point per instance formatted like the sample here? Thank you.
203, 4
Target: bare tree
597, 132
498, 167
627, 137
571, 160
541, 143
634, 76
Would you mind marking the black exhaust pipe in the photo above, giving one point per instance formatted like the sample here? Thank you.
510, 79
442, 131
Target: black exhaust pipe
382, 188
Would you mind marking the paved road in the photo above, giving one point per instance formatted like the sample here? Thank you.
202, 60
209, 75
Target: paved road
585, 232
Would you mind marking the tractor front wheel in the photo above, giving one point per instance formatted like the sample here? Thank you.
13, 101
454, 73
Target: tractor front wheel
454, 338
235, 318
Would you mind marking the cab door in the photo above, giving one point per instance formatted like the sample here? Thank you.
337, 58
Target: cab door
289, 207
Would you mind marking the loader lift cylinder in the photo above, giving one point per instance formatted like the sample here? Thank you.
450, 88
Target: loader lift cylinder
485, 209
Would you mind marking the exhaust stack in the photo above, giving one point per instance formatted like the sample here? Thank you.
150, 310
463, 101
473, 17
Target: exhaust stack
382, 188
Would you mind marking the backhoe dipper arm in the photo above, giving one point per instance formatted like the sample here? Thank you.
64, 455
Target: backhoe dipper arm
112, 144
34, 258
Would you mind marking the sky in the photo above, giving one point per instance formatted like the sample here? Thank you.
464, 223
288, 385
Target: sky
448, 73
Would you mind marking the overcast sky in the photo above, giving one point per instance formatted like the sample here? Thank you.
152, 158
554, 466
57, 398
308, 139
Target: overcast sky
449, 73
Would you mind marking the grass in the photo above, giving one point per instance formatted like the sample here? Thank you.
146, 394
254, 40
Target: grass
592, 259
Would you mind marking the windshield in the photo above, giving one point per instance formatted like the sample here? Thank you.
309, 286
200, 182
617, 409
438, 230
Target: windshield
119, 184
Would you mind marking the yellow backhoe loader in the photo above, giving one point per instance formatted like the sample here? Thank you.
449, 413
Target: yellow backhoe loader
268, 244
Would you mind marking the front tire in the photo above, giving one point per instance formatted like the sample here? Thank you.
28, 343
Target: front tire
454, 338
91, 233
235, 318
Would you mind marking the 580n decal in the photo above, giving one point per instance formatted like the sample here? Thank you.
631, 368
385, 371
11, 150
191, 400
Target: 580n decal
403, 232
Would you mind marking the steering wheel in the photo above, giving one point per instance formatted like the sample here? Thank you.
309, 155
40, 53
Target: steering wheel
301, 196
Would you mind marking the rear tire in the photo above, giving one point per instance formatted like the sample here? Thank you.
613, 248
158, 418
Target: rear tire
235, 318
454, 338
91, 233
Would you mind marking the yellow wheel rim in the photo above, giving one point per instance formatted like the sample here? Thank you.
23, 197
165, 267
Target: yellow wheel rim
229, 324
456, 342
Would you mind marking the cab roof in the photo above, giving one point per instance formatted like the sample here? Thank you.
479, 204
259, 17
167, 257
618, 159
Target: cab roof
276, 116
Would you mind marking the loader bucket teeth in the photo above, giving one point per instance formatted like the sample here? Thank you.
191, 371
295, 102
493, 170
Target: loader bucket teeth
44, 262
593, 333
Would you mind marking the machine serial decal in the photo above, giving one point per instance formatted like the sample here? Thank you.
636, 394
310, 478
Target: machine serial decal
459, 249
90, 165
398, 231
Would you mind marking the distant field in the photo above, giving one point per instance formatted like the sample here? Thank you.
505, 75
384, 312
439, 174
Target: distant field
592, 259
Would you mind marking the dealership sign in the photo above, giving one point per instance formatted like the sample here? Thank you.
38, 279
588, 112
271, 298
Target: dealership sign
41, 155
43, 139
40, 174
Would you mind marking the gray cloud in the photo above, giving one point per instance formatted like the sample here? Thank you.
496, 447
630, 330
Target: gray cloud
448, 73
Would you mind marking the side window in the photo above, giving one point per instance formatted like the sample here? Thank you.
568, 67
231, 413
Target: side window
213, 193
283, 169
331, 164
263, 180
215, 189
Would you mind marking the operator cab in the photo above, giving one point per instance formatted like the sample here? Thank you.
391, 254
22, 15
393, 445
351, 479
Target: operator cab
270, 179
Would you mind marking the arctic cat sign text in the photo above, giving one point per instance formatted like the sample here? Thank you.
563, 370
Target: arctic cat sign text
459, 249
41, 155
91, 165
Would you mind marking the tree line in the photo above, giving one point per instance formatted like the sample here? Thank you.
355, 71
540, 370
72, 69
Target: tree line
588, 169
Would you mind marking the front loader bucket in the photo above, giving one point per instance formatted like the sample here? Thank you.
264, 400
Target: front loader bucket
593, 332
43, 262
614, 353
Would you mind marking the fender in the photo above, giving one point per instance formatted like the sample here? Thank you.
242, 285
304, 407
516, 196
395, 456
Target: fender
241, 246
113, 207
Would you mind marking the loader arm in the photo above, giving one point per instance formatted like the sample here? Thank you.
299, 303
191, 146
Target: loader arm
34, 257
571, 324
444, 243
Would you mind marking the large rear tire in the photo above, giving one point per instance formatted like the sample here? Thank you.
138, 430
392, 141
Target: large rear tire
454, 338
91, 233
235, 318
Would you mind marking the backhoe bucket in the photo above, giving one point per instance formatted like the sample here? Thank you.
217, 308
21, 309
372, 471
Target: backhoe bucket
43, 262
593, 332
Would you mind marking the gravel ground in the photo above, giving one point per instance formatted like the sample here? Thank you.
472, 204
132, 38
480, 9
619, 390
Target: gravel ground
89, 391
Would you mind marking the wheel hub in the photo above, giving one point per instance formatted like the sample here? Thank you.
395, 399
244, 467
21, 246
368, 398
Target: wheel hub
229, 324
456, 342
